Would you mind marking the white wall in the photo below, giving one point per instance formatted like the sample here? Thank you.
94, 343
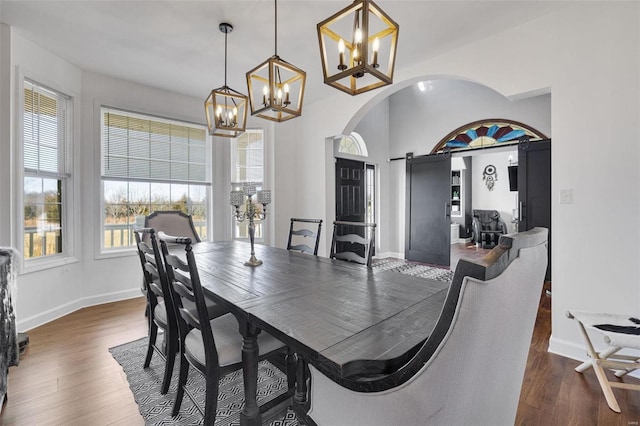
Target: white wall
419, 120
500, 198
587, 56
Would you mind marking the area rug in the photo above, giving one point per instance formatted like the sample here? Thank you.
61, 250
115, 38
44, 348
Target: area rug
156, 408
414, 269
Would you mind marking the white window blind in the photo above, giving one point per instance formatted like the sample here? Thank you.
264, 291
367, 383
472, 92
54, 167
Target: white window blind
45, 131
145, 148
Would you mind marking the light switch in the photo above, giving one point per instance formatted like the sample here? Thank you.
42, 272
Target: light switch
566, 196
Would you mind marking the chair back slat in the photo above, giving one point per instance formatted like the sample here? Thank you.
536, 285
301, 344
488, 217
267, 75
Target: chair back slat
301, 238
353, 241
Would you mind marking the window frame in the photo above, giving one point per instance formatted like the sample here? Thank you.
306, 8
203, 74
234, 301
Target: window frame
67, 176
99, 110
237, 185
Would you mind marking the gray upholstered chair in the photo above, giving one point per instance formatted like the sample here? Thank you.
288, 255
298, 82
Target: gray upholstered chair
470, 369
172, 222
353, 241
488, 226
303, 239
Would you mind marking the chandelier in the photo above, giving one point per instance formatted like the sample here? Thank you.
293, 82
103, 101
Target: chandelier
358, 48
276, 88
226, 109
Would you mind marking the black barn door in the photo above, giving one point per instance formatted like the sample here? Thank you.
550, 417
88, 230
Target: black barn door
350, 198
428, 210
534, 188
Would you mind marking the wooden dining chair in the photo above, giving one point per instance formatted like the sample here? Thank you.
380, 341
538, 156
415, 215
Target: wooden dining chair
160, 310
353, 241
301, 238
212, 347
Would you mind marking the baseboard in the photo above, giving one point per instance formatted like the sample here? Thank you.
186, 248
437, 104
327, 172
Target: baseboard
34, 321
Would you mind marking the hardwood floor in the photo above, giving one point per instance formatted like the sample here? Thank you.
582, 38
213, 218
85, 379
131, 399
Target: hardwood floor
68, 377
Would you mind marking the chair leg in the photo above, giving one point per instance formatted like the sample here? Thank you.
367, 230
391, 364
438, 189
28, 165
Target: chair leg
171, 350
300, 397
182, 381
291, 368
153, 334
211, 395
600, 374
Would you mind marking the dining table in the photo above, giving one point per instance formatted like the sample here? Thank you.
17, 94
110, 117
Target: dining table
330, 312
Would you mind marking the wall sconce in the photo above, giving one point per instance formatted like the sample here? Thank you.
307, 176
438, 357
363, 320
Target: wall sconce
226, 109
276, 88
358, 48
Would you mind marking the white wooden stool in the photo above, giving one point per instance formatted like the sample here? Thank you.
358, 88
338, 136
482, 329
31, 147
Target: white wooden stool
618, 336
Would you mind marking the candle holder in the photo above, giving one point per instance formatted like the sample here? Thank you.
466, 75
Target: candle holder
250, 213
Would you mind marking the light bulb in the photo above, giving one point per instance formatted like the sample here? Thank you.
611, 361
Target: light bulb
279, 93
341, 46
286, 88
265, 90
376, 44
219, 111
358, 36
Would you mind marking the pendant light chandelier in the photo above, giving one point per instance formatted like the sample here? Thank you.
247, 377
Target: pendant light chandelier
358, 48
226, 108
276, 88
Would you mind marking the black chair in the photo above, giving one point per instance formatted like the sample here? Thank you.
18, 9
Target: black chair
488, 226
213, 347
353, 241
160, 309
299, 232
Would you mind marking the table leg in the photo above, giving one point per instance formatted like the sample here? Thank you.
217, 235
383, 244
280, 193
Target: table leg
250, 414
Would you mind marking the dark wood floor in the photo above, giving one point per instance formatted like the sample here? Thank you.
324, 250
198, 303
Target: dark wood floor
68, 377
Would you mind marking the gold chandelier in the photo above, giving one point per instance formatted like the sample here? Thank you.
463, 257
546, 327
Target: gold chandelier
276, 88
226, 109
358, 48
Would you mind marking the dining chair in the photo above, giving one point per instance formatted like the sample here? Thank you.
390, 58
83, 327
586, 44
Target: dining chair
470, 368
212, 346
173, 222
160, 308
353, 241
301, 238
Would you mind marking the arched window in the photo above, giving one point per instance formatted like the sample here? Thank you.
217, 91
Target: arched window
486, 133
353, 144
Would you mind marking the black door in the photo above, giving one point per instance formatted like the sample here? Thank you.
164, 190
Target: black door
350, 197
428, 210
534, 188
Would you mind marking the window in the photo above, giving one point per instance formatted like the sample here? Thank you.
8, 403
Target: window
151, 164
352, 144
247, 165
46, 179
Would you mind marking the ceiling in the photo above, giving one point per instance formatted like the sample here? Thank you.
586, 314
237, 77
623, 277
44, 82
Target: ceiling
177, 46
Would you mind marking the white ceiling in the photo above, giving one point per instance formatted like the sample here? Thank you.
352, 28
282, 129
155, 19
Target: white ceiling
177, 46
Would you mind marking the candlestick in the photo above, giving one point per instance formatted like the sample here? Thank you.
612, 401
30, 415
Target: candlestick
250, 213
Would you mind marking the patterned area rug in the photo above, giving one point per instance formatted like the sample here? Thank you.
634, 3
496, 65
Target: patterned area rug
415, 269
156, 408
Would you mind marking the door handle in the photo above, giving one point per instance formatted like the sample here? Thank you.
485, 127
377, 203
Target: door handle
521, 212
447, 209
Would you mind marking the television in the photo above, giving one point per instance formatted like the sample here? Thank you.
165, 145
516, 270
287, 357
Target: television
513, 178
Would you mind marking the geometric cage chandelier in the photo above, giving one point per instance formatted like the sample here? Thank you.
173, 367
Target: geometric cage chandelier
358, 48
226, 109
276, 87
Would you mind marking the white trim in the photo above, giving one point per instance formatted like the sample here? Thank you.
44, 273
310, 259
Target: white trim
45, 317
71, 185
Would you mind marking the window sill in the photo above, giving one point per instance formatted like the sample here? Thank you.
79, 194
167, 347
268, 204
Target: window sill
111, 254
35, 265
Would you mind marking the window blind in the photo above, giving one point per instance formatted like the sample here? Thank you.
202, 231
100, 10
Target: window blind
45, 130
145, 148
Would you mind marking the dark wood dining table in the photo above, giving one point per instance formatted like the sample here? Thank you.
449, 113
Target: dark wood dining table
329, 311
